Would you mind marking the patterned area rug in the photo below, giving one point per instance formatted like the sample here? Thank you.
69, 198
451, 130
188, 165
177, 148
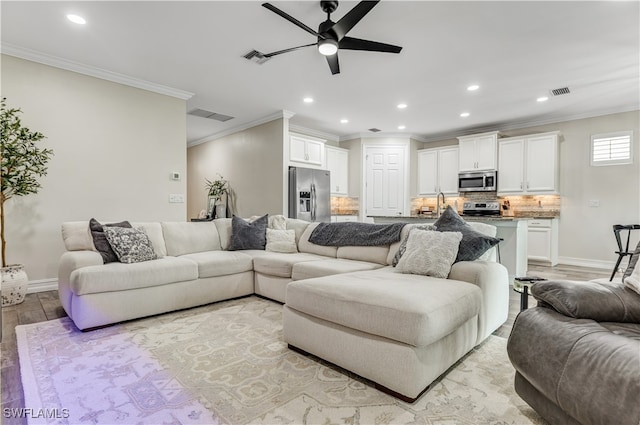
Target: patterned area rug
226, 363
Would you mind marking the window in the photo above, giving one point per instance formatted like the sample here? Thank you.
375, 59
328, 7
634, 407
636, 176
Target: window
611, 148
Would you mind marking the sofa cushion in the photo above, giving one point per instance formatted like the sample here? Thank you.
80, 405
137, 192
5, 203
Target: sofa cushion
131, 245
223, 225
415, 310
429, 253
312, 269
281, 241
100, 241
473, 243
248, 235
220, 263
305, 246
276, 264
120, 277
602, 302
186, 237
297, 225
371, 254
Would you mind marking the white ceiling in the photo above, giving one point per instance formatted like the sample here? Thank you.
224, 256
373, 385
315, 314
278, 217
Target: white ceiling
516, 51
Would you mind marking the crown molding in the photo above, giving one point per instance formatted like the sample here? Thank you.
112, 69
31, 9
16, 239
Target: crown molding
382, 135
92, 71
314, 133
283, 114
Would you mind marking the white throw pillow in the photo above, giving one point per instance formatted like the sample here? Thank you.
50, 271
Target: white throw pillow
633, 281
430, 253
281, 241
277, 222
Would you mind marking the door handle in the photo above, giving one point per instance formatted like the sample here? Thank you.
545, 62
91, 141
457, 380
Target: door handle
313, 202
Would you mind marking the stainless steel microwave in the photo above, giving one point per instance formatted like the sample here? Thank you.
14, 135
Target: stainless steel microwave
478, 181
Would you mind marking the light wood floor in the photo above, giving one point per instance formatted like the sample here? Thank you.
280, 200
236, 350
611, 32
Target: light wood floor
44, 306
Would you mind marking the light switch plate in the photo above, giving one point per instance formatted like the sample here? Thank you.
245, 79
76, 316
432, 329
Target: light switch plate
175, 175
176, 198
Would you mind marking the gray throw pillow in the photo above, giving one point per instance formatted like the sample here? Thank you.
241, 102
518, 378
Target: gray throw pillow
245, 235
100, 241
403, 244
131, 245
473, 243
632, 263
610, 302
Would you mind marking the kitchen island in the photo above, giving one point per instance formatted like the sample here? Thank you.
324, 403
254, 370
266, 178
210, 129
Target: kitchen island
512, 231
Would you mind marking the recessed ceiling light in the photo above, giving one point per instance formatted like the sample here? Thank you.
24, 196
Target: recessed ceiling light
473, 87
344, 121
308, 100
542, 99
402, 105
401, 127
464, 114
76, 19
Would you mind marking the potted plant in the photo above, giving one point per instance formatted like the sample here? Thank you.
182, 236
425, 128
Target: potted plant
22, 163
216, 190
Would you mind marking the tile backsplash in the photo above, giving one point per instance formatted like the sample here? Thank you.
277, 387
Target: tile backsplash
344, 205
521, 206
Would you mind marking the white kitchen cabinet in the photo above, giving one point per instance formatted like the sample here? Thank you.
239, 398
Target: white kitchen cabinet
338, 164
528, 165
343, 218
306, 150
478, 152
542, 240
438, 171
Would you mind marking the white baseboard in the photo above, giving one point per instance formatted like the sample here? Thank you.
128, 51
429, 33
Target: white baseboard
584, 262
42, 285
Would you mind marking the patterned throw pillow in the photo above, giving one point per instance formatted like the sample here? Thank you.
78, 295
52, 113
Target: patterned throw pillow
403, 244
281, 241
245, 235
632, 262
130, 245
473, 243
430, 253
100, 241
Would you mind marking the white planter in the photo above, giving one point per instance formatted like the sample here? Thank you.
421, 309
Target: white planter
14, 284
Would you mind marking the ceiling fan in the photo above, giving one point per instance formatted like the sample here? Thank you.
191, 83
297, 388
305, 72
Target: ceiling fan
332, 36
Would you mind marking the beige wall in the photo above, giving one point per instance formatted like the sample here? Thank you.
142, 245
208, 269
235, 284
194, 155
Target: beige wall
585, 232
115, 147
251, 160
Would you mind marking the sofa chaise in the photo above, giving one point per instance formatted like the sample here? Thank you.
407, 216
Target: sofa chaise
345, 304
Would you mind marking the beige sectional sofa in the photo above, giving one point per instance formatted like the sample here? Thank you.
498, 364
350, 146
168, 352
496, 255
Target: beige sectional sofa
344, 304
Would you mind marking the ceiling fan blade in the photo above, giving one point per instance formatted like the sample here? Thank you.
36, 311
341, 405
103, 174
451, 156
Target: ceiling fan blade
279, 52
332, 60
350, 43
292, 20
348, 21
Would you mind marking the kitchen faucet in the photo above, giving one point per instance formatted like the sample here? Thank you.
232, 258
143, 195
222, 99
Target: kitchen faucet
438, 204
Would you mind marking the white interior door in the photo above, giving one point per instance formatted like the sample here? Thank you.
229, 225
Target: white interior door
385, 181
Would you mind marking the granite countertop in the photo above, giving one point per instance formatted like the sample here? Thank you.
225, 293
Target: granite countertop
466, 217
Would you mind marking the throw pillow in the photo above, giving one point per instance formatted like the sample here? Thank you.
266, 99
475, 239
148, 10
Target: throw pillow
430, 253
245, 235
131, 245
277, 222
281, 240
403, 244
473, 243
632, 263
633, 280
100, 241
602, 302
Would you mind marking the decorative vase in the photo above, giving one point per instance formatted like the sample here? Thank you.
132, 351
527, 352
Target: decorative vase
14, 284
221, 210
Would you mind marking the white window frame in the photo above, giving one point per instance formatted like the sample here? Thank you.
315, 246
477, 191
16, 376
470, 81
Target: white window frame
618, 134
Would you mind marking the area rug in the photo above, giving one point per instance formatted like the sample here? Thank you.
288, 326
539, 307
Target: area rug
226, 363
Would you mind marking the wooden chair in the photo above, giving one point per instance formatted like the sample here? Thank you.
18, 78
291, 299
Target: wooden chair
622, 251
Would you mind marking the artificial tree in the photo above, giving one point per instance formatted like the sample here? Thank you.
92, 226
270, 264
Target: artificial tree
23, 162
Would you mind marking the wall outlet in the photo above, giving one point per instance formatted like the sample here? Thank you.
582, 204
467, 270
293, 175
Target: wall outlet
176, 198
594, 202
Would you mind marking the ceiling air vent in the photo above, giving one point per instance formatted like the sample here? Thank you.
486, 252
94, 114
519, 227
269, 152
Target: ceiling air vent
560, 91
374, 130
208, 114
256, 56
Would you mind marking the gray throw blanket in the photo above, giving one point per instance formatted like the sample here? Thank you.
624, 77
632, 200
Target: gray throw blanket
356, 234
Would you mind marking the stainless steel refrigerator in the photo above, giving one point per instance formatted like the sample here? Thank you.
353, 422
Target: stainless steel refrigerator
309, 194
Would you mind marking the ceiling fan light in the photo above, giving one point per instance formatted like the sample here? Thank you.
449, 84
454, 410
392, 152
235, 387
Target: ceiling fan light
328, 47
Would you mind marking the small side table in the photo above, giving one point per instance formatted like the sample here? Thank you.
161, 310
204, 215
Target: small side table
522, 285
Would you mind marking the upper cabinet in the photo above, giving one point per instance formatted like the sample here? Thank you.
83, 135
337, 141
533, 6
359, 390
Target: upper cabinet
438, 171
306, 150
338, 165
528, 165
478, 152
